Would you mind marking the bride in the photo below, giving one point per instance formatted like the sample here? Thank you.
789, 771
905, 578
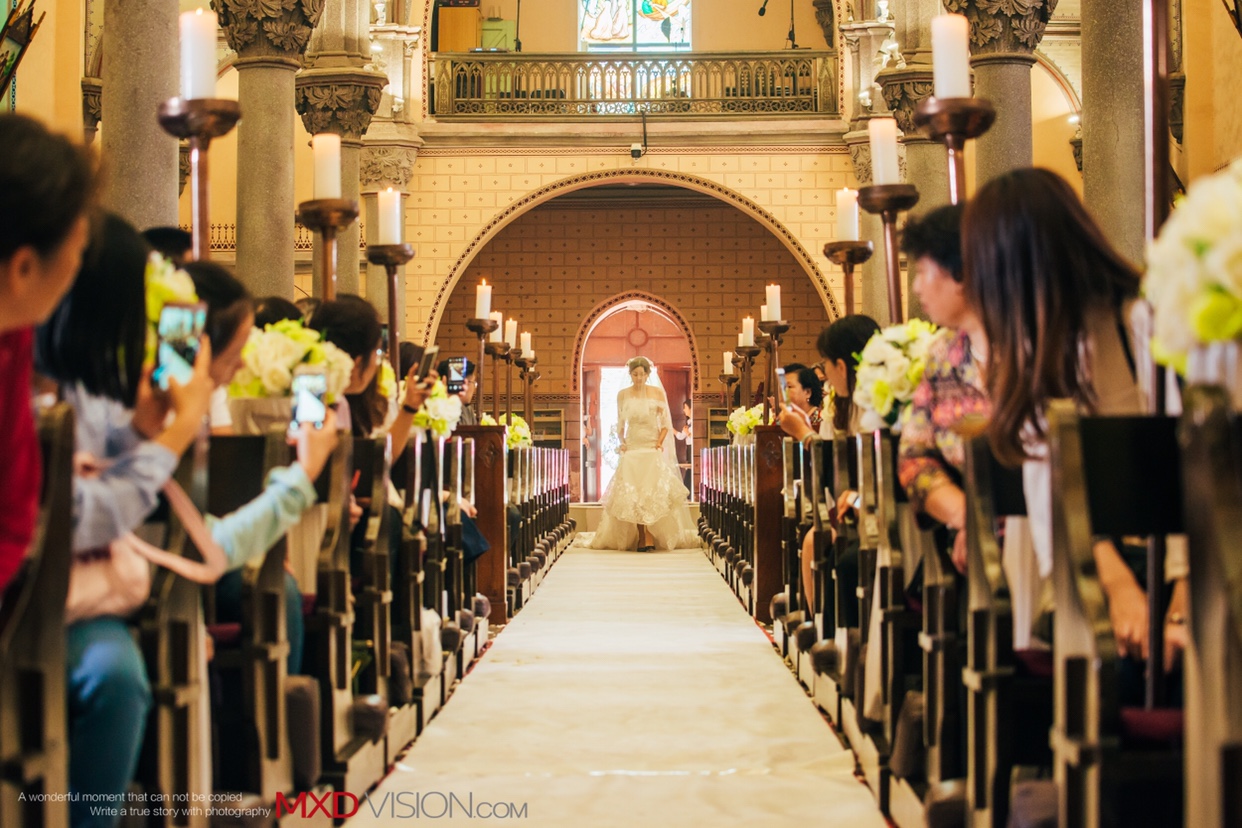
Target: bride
645, 504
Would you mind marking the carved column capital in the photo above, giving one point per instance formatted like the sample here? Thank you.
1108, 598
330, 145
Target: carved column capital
256, 28
1004, 26
338, 100
1076, 147
386, 165
92, 104
905, 89
826, 17
183, 165
1177, 104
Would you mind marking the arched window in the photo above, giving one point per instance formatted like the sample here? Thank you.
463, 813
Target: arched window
633, 25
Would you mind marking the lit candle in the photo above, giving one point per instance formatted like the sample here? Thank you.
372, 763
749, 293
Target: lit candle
511, 332
950, 34
847, 215
482, 300
748, 331
740, 341
763, 313
774, 303
728, 362
198, 54
499, 319
526, 349
883, 132
327, 149
389, 217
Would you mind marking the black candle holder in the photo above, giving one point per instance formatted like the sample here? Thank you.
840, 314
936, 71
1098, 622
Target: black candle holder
497, 351
198, 120
391, 257
510, 359
746, 355
729, 380
887, 200
953, 122
326, 216
528, 376
775, 330
848, 254
481, 328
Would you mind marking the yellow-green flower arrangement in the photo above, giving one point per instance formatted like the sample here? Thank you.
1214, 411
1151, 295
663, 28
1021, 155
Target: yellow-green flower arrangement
271, 355
744, 420
1194, 269
386, 384
440, 412
890, 367
517, 432
164, 284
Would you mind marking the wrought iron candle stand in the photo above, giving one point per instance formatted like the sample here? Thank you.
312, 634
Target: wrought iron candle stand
510, 360
848, 254
887, 200
327, 216
481, 328
746, 354
528, 375
391, 257
953, 122
775, 329
728, 380
497, 351
198, 120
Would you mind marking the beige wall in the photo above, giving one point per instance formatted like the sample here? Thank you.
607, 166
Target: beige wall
1213, 58
1051, 127
50, 76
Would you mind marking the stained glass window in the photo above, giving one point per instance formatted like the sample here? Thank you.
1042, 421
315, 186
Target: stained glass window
633, 25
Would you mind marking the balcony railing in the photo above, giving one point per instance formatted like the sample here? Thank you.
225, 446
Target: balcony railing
222, 238
674, 83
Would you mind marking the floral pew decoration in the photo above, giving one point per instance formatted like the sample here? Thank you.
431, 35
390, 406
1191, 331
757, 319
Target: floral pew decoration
890, 367
517, 432
743, 422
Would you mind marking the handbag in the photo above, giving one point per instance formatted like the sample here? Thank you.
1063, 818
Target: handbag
116, 579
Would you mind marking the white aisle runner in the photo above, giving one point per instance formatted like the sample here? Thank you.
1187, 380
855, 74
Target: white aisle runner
631, 691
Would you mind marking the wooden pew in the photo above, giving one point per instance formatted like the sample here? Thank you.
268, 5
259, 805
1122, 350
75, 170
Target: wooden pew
785, 607
489, 498
373, 595
1111, 477
1211, 437
34, 741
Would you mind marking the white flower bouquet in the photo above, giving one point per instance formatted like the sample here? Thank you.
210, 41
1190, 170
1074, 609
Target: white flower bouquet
517, 432
890, 367
271, 355
440, 412
744, 420
164, 283
1194, 269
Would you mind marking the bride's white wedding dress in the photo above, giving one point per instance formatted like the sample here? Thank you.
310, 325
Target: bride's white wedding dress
647, 487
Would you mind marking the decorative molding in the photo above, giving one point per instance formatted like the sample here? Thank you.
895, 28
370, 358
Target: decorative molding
536, 197
256, 28
1004, 26
860, 158
826, 17
338, 100
92, 104
183, 165
904, 89
386, 166
606, 307
1177, 104
676, 151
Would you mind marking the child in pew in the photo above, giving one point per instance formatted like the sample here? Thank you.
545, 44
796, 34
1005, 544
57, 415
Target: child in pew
1055, 302
47, 190
131, 435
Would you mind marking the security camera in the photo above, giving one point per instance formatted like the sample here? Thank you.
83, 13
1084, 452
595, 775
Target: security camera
636, 151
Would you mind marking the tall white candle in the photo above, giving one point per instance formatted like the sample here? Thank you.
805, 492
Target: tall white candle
741, 341
847, 215
950, 34
748, 331
728, 362
499, 319
774, 303
327, 150
763, 313
482, 300
198, 54
883, 133
511, 332
526, 349
389, 231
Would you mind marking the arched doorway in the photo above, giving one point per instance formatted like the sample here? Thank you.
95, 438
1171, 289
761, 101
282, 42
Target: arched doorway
630, 328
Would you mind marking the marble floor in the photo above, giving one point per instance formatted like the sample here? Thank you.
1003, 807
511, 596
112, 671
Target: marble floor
632, 690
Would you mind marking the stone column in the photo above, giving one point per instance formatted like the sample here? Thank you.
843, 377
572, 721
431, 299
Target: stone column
140, 71
1003, 43
337, 92
1114, 132
269, 40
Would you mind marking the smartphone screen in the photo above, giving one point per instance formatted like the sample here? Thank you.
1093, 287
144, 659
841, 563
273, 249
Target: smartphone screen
180, 329
428, 361
780, 379
308, 391
455, 382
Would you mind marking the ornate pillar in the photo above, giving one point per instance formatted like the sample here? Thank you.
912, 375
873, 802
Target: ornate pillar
336, 93
269, 40
1003, 39
139, 73
1113, 128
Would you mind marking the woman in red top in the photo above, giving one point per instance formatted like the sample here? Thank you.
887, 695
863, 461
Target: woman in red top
47, 186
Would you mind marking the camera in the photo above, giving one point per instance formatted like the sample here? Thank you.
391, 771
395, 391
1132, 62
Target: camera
636, 151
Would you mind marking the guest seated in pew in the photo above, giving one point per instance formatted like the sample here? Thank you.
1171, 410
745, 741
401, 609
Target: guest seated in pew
47, 190
806, 393
838, 345
129, 438
1054, 299
932, 456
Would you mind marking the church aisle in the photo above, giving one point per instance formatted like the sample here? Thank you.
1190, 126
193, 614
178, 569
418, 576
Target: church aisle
632, 690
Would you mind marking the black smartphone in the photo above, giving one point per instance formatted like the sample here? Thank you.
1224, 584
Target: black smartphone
455, 382
780, 379
180, 331
309, 390
428, 361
